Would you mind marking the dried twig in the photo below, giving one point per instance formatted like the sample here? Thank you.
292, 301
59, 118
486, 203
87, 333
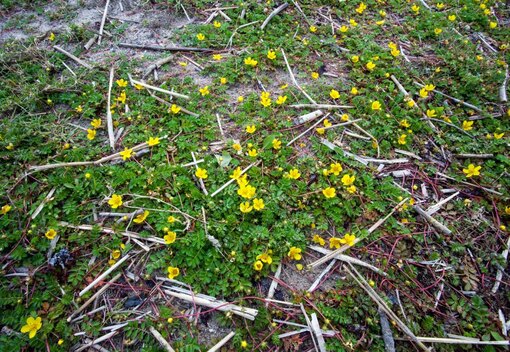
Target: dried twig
161, 90
348, 259
318, 280
98, 340
103, 19
389, 343
499, 273
307, 117
294, 79
502, 89
202, 184
274, 283
105, 274
164, 48
431, 220
222, 342
71, 56
274, 13
320, 106
109, 121
453, 99
230, 41
307, 130
232, 180
164, 343
316, 329
157, 65
434, 208
43, 203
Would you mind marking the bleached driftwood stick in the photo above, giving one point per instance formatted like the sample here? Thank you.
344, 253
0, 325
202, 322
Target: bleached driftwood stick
105, 274
103, 19
274, 283
109, 120
320, 106
43, 203
374, 227
322, 274
316, 329
458, 101
129, 234
157, 89
164, 343
96, 347
193, 163
389, 343
382, 305
71, 56
216, 244
307, 117
294, 79
96, 341
348, 259
405, 152
431, 220
309, 325
342, 124
470, 184
477, 156
434, 208
230, 41
157, 65
274, 13
502, 319
458, 341
502, 90
248, 313
307, 130
232, 180
222, 342
499, 273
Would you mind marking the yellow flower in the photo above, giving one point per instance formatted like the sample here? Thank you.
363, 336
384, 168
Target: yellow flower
382, 13
327, 123
240, 99
294, 174
111, 262
250, 62
121, 83
122, 97
183, 63
349, 240
507, 210
329, 192
173, 272
438, 31
171, 219
294, 253
410, 103
376, 105
498, 135
116, 254
348, 180
204, 91
493, 24
32, 325
402, 139
370, 66
257, 266
91, 134
200, 36
452, 18
115, 201
139, 86
216, 24
50, 234
404, 123
237, 147
299, 266
245, 207
440, 5
313, 29
242, 181
201, 173
174, 109
354, 90
246, 191
472, 170
335, 169
424, 93
362, 7
335, 242
429, 87
51, 37
60, 342
252, 152
265, 102
395, 52
258, 204
10, 146
334, 94
415, 8
96, 123
431, 113
236, 174
351, 189
251, 129
353, 22
5, 209
170, 237
223, 80
277, 144
320, 130
467, 125
153, 141
265, 258
281, 100
271, 55
126, 153
141, 217
79, 108
315, 75
319, 240
355, 58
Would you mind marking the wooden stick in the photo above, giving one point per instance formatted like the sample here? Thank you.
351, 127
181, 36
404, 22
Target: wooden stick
308, 130
43, 203
164, 343
101, 27
432, 221
71, 56
161, 90
347, 259
105, 274
389, 343
164, 48
499, 273
458, 341
454, 99
157, 65
98, 340
274, 283
474, 156
447, 123
202, 184
230, 41
309, 324
222, 342
294, 79
274, 13
109, 120
93, 298
316, 329
502, 90
307, 117
470, 184
342, 124
320, 106
321, 275
434, 208
232, 180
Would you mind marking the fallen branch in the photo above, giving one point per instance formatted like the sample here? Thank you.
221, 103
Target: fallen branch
470, 184
347, 259
232, 180
222, 342
321, 106
105, 274
307, 130
432, 221
458, 101
307, 117
294, 79
71, 56
156, 65
164, 343
109, 120
103, 20
316, 329
389, 343
96, 341
474, 156
434, 208
502, 90
43, 203
274, 283
164, 48
274, 13
157, 89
